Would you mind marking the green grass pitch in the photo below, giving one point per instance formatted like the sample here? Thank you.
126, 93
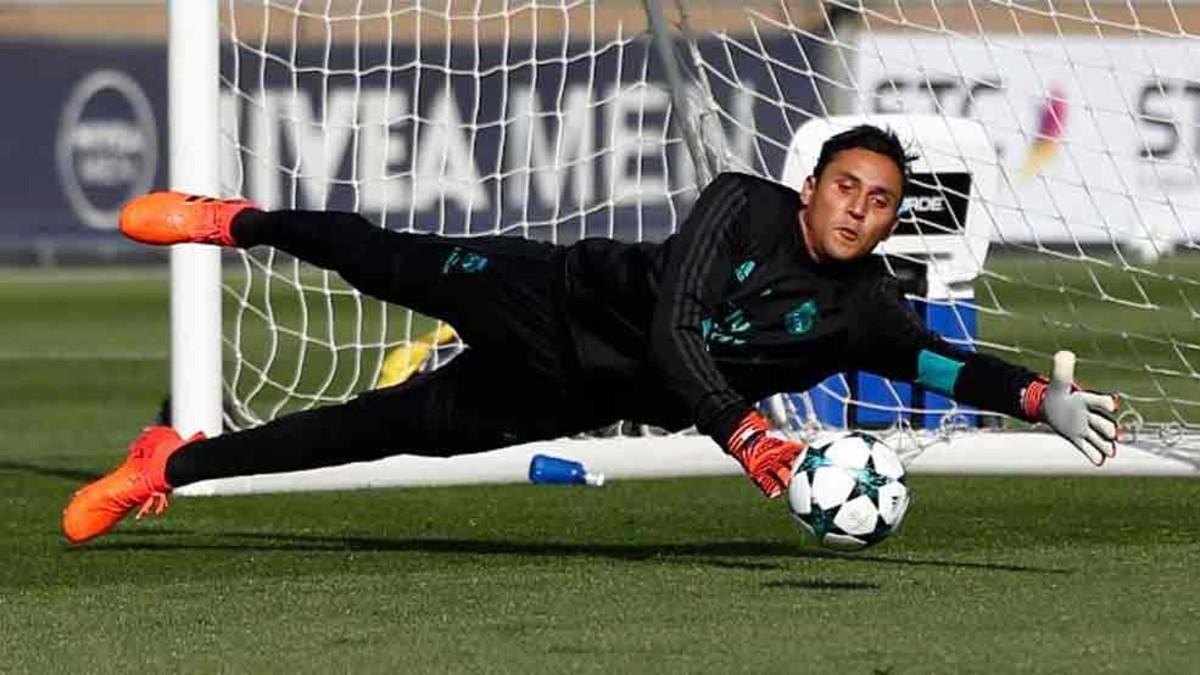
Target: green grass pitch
700, 575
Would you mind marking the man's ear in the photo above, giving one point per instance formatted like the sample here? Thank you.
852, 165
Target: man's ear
806, 191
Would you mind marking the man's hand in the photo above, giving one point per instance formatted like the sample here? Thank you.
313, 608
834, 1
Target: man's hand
1082, 417
766, 456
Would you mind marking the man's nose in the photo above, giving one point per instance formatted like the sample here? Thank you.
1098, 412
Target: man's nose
858, 205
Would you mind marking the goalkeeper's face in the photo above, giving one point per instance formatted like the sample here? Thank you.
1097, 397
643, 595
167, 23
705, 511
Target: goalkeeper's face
851, 206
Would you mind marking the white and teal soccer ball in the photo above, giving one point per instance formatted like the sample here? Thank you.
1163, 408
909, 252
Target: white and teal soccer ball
849, 493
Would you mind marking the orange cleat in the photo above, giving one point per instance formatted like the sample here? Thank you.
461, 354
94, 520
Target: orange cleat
177, 218
141, 480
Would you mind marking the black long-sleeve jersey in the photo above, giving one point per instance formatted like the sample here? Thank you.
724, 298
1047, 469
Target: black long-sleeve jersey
732, 309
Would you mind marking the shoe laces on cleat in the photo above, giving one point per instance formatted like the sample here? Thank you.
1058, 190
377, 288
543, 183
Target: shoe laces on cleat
155, 505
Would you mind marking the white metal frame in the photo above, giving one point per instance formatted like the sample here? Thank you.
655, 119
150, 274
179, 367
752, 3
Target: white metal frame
197, 369
1013, 453
193, 89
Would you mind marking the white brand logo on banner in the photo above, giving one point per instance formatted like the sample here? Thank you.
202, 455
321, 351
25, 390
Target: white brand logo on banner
107, 150
923, 204
408, 159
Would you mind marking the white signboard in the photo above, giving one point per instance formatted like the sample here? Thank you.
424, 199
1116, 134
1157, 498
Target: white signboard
1097, 138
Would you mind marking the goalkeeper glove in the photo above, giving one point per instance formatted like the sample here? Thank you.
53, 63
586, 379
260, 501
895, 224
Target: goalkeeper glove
765, 456
1082, 417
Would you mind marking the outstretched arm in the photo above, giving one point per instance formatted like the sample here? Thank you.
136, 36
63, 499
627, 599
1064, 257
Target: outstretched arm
700, 262
895, 343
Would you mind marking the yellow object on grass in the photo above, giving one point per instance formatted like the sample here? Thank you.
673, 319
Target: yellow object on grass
403, 361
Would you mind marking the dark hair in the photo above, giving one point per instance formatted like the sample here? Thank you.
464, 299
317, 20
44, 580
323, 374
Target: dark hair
868, 137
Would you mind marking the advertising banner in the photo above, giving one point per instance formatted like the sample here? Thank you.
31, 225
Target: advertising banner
84, 130
554, 140
1097, 137
557, 140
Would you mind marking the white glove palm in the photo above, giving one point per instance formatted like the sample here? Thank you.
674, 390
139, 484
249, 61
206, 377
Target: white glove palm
1082, 417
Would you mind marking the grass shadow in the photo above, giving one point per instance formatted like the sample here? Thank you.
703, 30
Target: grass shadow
729, 554
821, 585
76, 475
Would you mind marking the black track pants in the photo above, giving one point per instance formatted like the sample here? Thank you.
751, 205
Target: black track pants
516, 382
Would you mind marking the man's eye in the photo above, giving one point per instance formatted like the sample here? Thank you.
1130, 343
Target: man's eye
881, 203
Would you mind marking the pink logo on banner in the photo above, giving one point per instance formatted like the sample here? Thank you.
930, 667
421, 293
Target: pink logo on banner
1052, 127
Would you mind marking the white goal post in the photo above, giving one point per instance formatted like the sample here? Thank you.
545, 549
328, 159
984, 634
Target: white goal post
193, 84
1056, 202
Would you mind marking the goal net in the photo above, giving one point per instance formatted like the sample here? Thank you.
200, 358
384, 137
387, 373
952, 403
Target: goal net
1054, 206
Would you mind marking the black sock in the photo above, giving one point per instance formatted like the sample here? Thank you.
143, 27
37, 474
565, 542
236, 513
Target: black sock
248, 227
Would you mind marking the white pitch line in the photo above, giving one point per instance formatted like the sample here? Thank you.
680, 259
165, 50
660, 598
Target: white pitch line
17, 276
84, 356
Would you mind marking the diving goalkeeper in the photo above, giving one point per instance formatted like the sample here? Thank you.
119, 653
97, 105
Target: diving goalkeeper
763, 289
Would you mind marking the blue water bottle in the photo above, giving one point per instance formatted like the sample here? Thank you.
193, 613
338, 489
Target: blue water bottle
547, 470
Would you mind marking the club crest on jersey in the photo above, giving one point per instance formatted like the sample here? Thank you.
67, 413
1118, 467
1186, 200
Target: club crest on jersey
727, 330
743, 271
801, 319
463, 261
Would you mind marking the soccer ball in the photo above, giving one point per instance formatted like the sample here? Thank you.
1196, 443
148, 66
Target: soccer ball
849, 493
